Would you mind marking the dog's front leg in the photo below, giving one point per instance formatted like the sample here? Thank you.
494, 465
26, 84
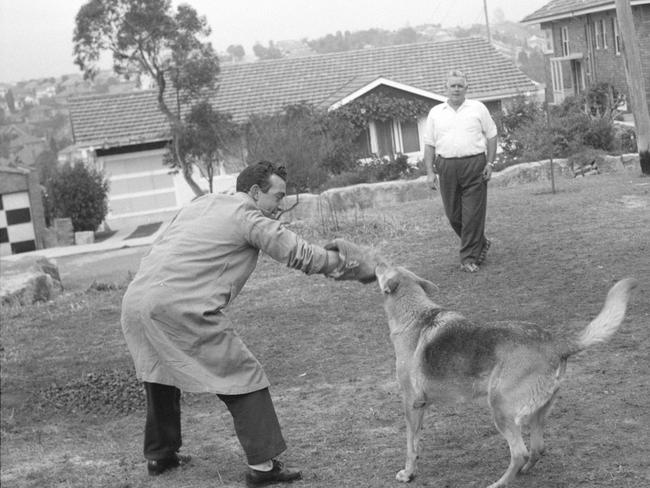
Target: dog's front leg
413, 428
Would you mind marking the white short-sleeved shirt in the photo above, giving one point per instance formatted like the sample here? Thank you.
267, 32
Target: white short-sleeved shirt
459, 133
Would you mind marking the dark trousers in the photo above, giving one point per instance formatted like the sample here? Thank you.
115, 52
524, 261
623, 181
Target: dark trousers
255, 420
464, 196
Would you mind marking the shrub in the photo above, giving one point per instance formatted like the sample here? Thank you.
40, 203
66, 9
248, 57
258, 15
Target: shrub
80, 193
373, 171
625, 139
308, 141
599, 134
578, 122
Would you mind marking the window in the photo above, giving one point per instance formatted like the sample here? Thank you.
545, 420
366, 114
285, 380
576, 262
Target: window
617, 37
565, 40
410, 136
362, 143
598, 35
603, 31
548, 38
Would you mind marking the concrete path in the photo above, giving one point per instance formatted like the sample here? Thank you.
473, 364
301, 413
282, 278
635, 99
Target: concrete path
116, 241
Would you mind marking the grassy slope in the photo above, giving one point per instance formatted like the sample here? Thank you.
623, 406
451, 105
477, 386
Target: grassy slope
326, 350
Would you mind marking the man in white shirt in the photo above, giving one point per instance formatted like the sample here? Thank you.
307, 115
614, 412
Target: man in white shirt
460, 143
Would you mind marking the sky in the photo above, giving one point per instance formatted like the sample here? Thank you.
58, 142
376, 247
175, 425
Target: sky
36, 35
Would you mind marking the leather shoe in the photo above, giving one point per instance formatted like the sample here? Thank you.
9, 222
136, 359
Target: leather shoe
279, 474
159, 466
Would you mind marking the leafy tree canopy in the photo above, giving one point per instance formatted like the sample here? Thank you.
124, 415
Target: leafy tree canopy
147, 37
208, 135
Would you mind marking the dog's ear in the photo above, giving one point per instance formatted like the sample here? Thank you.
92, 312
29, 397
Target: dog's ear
429, 288
386, 277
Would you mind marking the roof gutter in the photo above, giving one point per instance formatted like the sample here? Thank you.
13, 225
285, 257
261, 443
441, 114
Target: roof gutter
578, 12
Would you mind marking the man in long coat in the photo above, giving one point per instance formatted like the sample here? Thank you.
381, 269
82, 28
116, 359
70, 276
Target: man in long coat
176, 330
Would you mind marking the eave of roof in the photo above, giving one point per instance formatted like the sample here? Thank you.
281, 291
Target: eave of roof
381, 81
564, 9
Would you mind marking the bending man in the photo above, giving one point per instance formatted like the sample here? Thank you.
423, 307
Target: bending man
176, 330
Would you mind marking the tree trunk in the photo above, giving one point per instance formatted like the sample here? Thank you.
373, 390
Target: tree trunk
635, 81
174, 124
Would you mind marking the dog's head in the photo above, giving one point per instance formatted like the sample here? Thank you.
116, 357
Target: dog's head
391, 278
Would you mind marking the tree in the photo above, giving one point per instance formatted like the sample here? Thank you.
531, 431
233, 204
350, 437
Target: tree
308, 141
146, 37
407, 35
79, 193
206, 137
11, 101
635, 83
236, 51
270, 52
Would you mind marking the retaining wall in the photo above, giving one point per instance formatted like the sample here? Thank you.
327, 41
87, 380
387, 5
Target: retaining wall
378, 195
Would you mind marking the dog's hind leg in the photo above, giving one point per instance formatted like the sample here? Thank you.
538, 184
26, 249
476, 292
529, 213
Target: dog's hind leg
414, 418
518, 452
536, 441
536, 423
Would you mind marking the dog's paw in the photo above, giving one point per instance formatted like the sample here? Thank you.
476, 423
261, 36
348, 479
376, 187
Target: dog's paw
404, 476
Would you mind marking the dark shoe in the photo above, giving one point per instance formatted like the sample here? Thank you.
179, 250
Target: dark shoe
279, 474
159, 466
469, 268
484, 251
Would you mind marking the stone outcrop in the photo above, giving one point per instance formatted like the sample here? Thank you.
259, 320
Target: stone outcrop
29, 279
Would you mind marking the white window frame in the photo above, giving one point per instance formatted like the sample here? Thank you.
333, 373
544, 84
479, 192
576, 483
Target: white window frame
597, 34
617, 37
603, 29
565, 40
400, 138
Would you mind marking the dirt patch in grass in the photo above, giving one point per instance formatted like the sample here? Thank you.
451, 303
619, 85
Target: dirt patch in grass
326, 349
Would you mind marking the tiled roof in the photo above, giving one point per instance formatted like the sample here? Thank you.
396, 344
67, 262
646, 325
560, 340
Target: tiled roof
557, 9
267, 86
118, 119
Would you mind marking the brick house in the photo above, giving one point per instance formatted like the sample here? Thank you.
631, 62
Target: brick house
584, 46
128, 135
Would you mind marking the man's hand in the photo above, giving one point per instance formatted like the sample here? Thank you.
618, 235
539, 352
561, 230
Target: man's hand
357, 263
432, 181
487, 172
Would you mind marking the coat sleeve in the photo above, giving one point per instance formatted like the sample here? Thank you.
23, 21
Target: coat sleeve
273, 238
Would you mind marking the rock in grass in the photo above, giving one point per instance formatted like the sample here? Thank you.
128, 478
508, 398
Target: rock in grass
29, 279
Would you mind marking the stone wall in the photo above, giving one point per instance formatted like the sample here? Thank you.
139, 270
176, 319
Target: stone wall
377, 195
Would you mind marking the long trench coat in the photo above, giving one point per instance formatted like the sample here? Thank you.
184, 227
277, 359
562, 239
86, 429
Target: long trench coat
173, 311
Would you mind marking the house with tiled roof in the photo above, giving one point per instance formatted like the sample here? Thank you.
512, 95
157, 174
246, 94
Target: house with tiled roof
129, 134
584, 45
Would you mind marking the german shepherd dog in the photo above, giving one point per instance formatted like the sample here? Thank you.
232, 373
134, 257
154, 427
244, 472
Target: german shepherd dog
443, 357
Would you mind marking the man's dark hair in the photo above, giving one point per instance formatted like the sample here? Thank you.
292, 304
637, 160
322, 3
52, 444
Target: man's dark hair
259, 174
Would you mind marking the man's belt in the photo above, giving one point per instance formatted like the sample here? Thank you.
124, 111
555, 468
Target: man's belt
464, 157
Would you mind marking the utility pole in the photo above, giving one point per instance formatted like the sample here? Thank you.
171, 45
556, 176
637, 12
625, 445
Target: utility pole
487, 22
635, 83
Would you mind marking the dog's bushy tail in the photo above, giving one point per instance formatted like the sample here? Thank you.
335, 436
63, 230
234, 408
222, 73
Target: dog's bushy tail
608, 321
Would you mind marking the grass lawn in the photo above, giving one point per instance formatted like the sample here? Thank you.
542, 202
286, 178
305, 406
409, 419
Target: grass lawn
326, 350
